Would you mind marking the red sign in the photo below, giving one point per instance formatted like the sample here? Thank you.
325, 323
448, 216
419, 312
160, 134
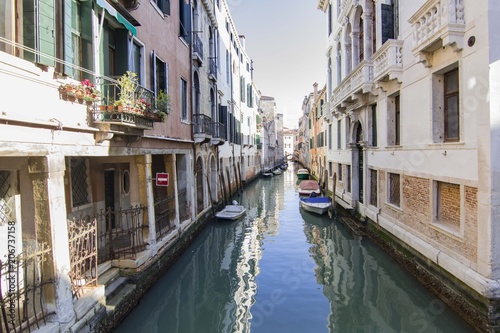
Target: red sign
162, 179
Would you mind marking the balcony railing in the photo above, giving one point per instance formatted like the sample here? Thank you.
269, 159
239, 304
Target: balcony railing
202, 128
212, 71
198, 49
388, 61
218, 133
359, 80
436, 24
139, 113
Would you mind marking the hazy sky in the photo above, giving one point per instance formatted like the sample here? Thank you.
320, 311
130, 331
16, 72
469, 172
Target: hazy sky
286, 39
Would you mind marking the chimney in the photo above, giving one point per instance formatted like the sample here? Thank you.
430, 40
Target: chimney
315, 85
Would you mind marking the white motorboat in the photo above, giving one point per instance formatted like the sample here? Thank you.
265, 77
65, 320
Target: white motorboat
317, 205
303, 174
277, 171
231, 212
306, 187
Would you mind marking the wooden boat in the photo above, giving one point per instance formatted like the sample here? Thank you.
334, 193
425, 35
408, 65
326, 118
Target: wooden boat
303, 174
317, 205
231, 212
306, 187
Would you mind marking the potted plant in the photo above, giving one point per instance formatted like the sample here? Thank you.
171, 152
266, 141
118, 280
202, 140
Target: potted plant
128, 84
162, 115
163, 102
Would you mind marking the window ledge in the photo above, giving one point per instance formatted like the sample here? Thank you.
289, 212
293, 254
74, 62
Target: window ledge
155, 6
448, 230
446, 144
394, 147
394, 207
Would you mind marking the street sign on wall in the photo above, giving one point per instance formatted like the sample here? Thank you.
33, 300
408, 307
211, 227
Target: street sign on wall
162, 179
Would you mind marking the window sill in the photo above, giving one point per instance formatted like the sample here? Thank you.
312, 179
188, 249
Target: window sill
448, 230
394, 207
394, 147
446, 144
155, 6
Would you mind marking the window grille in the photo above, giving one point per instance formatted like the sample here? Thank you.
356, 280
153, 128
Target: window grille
394, 189
79, 186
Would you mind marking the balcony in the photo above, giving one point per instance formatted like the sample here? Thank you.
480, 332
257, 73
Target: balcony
218, 134
388, 62
359, 81
212, 70
437, 24
198, 50
129, 120
202, 128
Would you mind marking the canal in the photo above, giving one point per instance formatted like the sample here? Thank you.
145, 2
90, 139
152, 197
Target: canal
283, 270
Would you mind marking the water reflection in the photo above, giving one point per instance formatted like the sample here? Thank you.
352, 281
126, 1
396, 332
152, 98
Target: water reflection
280, 269
367, 292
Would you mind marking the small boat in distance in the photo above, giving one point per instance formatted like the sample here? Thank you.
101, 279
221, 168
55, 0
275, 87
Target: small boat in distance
277, 171
317, 205
303, 174
306, 187
267, 174
231, 212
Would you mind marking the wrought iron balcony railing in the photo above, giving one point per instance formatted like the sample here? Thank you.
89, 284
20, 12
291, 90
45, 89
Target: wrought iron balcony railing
198, 48
212, 70
202, 124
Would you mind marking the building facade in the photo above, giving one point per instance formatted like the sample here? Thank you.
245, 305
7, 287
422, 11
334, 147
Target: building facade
115, 151
411, 102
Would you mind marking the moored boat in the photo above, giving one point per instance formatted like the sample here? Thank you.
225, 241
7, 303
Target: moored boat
231, 212
303, 174
317, 205
306, 187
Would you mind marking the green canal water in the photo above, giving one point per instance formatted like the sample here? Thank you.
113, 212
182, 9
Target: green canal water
283, 270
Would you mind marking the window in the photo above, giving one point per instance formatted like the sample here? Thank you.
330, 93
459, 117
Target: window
373, 188
160, 78
447, 204
184, 96
330, 138
339, 134
137, 60
394, 189
79, 185
185, 21
78, 38
374, 125
330, 168
394, 121
242, 88
339, 171
164, 6
348, 178
446, 105
451, 108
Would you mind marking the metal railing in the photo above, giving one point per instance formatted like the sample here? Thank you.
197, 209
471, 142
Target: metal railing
219, 130
198, 46
23, 285
202, 124
212, 68
120, 233
165, 215
83, 255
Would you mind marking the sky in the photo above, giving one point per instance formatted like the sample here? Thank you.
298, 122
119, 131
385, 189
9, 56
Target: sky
286, 39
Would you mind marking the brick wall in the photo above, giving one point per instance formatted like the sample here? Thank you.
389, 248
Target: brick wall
417, 207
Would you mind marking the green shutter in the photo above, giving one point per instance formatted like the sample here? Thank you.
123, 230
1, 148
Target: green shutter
39, 30
68, 42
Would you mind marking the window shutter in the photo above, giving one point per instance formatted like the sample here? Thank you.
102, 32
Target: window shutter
39, 30
387, 22
185, 21
154, 82
68, 43
87, 45
122, 51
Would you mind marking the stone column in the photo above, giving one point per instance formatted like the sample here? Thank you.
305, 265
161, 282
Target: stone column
355, 48
368, 34
151, 203
47, 177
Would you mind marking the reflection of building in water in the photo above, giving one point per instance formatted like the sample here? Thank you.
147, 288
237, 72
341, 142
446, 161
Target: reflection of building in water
361, 292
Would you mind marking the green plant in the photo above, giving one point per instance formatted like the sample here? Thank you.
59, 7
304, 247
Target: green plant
163, 102
162, 115
128, 84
